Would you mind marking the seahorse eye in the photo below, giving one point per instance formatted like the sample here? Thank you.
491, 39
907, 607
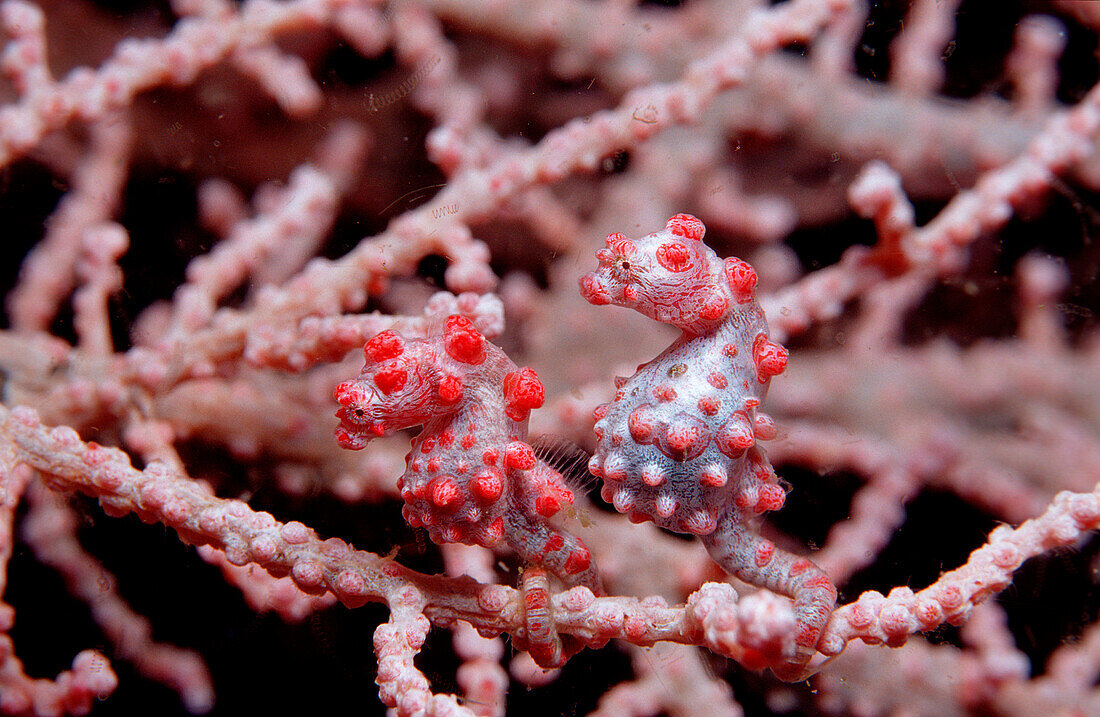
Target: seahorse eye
622, 264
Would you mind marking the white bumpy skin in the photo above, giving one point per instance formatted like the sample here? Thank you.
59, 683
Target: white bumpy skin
678, 444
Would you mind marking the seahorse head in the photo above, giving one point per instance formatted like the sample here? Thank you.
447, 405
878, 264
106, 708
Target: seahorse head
670, 276
406, 382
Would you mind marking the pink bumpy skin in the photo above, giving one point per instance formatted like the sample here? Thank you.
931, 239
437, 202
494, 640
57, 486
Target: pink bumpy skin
471, 476
678, 444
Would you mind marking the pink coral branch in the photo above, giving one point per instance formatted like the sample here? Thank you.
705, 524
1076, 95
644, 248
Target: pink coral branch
876, 619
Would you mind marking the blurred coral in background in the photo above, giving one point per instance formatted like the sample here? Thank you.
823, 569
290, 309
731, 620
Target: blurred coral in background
210, 207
